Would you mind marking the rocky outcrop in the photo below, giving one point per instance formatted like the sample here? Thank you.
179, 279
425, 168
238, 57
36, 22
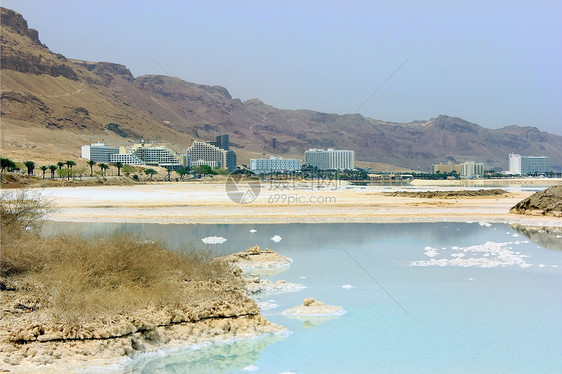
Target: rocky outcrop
106, 70
22, 51
542, 203
258, 261
32, 338
16, 22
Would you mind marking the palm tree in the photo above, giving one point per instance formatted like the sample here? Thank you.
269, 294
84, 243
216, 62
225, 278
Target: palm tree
44, 168
92, 164
103, 167
53, 168
60, 164
30, 165
6, 163
118, 165
70, 164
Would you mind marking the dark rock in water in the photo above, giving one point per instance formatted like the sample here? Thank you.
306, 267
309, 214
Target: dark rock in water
542, 203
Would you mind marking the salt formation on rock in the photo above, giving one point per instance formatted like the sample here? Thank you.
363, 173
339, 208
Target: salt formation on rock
314, 308
257, 261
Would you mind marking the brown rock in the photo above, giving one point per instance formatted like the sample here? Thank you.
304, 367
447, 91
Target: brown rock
547, 203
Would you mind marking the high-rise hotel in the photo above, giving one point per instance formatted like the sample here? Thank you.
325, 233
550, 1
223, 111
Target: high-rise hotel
330, 159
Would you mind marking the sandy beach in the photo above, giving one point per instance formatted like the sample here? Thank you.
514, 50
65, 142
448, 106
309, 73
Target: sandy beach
210, 203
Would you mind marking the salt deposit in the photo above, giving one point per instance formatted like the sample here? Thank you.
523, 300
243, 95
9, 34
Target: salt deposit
487, 255
266, 287
266, 305
213, 240
256, 261
276, 238
314, 308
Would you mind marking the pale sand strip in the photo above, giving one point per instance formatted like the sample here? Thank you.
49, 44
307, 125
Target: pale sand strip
209, 203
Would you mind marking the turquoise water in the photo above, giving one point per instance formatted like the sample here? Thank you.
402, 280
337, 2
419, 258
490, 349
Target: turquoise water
400, 318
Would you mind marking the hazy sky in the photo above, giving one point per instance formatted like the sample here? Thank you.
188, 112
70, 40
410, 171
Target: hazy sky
495, 63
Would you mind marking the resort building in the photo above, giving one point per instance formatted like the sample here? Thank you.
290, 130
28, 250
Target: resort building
274, 165
330, 159
524, 165
138, 154
98, 152
471, 170
467, 170
125, 158
156, 155
449, 167
214, 154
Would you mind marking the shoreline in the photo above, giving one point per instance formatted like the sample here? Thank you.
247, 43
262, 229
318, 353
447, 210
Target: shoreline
210, 204
144, 337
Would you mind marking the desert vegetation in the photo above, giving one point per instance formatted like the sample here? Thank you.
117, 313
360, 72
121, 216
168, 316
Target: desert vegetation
66, 296
71, 279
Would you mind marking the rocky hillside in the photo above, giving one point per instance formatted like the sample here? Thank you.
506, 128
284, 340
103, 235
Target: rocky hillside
542, 203
55, 104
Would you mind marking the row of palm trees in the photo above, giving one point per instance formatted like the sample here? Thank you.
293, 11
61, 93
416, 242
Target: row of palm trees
30, 165
103, 167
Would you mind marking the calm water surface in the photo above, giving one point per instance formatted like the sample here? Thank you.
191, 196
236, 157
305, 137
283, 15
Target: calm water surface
400, 318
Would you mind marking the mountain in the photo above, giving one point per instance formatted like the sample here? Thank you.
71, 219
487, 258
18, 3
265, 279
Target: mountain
50, 105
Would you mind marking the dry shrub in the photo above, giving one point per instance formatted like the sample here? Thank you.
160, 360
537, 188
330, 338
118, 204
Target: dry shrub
85, 277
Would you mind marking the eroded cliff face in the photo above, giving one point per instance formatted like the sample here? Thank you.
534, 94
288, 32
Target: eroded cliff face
542, 203
22, 50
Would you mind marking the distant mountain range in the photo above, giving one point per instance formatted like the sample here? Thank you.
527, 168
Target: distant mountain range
50, 95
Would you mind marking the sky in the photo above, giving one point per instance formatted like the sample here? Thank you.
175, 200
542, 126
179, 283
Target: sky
494, 63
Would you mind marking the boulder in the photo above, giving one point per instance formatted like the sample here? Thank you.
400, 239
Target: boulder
545, 203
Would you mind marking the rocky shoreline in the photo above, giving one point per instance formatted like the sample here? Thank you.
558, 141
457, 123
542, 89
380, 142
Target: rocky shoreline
31, 341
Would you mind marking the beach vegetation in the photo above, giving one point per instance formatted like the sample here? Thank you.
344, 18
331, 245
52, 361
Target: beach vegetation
76, 278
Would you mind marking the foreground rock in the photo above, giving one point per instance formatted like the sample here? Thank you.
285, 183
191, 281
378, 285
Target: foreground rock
542, 203
314, 308
33, 340
258, 261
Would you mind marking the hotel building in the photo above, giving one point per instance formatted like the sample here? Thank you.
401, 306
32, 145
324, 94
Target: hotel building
523, 165
274, 165
330, 159
214, 154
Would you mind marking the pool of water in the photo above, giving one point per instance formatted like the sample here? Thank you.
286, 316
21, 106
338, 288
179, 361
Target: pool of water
499, 312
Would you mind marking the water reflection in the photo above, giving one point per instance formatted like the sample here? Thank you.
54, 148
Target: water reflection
548, 237
239, 237
217, 358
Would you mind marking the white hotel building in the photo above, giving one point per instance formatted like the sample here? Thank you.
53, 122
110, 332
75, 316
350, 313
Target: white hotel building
330, 159
274, 165
523, 165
